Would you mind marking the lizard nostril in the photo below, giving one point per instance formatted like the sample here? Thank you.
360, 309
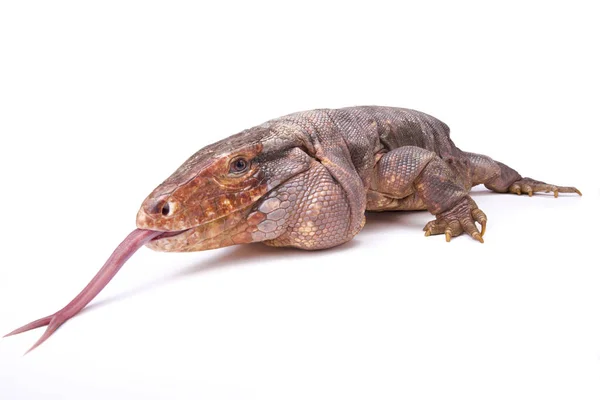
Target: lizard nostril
160, 206
166, 209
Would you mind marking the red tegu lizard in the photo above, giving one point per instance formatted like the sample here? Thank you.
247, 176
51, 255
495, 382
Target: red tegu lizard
305, 180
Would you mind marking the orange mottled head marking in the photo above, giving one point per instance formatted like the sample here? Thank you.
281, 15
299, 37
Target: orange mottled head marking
210, 195
202, 190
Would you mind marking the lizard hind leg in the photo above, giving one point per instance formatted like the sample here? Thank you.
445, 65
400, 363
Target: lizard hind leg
503, 179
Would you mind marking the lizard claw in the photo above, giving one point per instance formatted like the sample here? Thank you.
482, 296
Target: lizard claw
459, 219
531, 186
529, 190
481, 218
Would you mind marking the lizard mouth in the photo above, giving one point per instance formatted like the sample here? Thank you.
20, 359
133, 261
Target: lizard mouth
199, 237
165, 235
171, 241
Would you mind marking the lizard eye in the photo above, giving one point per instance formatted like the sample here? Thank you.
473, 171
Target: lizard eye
167, 209
238, 166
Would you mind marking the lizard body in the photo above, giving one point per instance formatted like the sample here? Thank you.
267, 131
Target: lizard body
311, 176
305, 180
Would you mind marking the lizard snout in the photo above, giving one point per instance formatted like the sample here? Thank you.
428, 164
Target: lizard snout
162, 206
159, 213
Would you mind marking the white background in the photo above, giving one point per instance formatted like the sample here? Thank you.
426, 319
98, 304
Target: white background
100, 101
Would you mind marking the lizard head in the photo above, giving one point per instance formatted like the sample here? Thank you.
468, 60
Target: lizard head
208, 198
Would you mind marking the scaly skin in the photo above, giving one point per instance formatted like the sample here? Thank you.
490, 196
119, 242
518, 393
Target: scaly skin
311, 176
305, 180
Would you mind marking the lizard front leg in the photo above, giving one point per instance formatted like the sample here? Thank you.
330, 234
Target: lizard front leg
417, 176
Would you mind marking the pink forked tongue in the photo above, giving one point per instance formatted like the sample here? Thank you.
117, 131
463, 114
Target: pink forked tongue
130, 245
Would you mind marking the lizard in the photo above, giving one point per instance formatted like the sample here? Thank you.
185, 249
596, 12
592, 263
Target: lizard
305, 180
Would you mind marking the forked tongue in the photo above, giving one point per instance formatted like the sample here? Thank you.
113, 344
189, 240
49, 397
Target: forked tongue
130, 245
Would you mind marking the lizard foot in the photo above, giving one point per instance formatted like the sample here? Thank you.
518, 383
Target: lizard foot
531, 186
460, 218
